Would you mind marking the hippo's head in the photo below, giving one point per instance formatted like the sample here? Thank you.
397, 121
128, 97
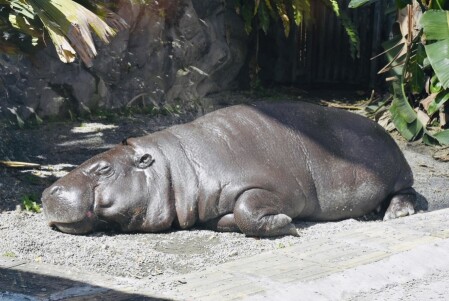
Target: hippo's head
126, 186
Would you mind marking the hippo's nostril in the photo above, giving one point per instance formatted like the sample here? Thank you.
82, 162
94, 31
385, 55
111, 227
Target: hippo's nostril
55, 190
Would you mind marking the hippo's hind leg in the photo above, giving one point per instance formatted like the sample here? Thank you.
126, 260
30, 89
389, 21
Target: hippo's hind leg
401, 204
258, 212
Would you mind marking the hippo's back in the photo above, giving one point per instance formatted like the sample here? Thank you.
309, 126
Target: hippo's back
329, 157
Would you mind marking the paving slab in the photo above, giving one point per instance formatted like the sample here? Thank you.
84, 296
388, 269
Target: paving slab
347, 266
299, 266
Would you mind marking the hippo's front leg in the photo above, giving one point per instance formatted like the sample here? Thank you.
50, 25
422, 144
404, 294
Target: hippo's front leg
258, 213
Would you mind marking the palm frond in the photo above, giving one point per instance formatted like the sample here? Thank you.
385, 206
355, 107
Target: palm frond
68, 23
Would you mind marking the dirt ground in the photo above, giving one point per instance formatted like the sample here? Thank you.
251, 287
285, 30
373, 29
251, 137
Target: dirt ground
59, 146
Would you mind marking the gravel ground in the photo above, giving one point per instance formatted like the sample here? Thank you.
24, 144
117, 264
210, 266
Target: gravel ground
60, 146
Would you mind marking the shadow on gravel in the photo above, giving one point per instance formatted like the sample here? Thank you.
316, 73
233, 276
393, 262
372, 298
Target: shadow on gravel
421, 203
56, 147
26, 286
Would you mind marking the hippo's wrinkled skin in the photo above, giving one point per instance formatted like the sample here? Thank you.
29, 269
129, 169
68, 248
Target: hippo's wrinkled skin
244, 168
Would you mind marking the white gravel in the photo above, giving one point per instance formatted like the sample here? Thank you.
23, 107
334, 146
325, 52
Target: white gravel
160, 256
142, 256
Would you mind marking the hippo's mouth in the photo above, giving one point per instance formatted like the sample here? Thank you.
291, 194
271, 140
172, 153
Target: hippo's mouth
82, 227
88, 224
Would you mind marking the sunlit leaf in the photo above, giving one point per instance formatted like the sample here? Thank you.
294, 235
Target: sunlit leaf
22, 7
69, 25
435, 85
440, 138
256, 6
359, 3
439, 101
264, 17
349, 27
438, 54
301, 11
268, 3
63, 47
435, 24
282, 12
403, 116
418, 79
23, 24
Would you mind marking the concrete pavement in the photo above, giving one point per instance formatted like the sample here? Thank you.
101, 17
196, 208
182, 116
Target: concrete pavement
395, 260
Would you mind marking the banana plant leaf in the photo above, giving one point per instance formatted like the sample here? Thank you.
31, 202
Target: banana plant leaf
404, 117
440, 138
439, 101
438, 55
435, 24
415, 67
435, 85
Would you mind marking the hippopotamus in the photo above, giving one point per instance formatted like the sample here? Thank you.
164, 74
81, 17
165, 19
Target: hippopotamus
247, 168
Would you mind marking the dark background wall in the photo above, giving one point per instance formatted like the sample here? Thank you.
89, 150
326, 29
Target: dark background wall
196, 48
193, 49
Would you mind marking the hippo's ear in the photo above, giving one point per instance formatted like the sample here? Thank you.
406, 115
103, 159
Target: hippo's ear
144, 161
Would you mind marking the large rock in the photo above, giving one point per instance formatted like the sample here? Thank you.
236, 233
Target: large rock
182, 51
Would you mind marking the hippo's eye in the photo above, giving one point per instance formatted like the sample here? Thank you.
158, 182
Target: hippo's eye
103, 169
145, 161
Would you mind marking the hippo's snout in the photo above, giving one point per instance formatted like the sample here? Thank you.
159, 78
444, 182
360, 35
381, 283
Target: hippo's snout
69, 208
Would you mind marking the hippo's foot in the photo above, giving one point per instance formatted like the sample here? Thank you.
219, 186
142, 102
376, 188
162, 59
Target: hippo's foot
401, 204
225, 223
257, 213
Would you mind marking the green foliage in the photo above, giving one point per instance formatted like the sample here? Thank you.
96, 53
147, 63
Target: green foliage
66, 22
263, 12
404, 117
280, 246
359, 3
349, 27
436, 28
29, 204
438, 102
419, 63
9, 254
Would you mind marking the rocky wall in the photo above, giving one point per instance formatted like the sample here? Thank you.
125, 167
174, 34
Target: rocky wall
183, 52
